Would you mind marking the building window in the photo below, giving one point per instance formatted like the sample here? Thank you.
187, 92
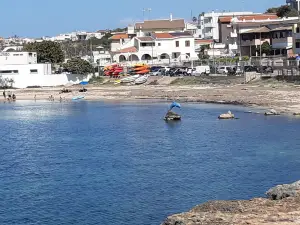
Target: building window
33, 71
281, 35
298, 44
187, 43
9, 71
159, 44
298, 30
177, 44
30, 54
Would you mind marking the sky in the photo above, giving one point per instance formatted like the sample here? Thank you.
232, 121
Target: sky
37, 18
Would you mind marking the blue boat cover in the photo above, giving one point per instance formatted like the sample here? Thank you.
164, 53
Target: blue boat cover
175, 104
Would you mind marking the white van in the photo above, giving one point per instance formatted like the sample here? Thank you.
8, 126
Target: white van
201, 70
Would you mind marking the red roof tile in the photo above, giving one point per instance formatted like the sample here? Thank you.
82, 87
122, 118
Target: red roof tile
145, 38
203, 41
119, 36
163, 35
161, 24
227, 19
127, 50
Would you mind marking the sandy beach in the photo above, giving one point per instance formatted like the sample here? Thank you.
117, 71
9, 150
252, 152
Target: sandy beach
281, 96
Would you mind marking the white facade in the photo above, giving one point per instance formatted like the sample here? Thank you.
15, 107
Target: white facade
74, 36
18, 58
209, 23
159, 50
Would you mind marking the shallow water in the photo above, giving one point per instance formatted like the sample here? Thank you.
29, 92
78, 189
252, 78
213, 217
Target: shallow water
99, 163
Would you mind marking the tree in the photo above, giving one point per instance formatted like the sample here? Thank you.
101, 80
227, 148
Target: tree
272, 10
195, 19
78, 66
266, 48
283, 11
202, 53
47, 51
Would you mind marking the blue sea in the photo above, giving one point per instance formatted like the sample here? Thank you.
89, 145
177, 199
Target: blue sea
121, 163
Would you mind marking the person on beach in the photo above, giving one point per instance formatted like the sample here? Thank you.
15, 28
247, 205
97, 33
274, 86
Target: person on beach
34, 97
4, 95
14, 97
60, 99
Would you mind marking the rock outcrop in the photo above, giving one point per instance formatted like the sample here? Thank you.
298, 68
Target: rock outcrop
284, 191
272, 112
172, 116
265, 211
226, 116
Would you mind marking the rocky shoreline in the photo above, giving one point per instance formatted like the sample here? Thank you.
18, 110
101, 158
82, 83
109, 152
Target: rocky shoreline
281, 207
283, 97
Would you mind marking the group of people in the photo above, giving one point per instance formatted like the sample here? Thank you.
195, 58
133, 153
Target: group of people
9, 96
51, 98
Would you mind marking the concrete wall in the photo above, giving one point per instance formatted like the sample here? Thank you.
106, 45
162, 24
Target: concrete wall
23, 81
16, 58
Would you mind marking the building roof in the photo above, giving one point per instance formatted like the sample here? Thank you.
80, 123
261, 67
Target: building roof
119, 36
171, 35
127, 50
162, 35
282, 28
102, 31
268, 16
145, 38
257, 30
203, 41
181, 34
161, 24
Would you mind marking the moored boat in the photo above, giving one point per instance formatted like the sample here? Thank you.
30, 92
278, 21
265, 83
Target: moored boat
129, 79
142, 79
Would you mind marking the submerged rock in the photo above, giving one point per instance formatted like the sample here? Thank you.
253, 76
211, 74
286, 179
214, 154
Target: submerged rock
225, 116
172, 116
285, 211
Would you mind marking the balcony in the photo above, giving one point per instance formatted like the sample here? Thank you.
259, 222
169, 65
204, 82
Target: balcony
209, 25
208, 34
233, 47
233, 35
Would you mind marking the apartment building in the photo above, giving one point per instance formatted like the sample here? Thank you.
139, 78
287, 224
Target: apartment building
209, 23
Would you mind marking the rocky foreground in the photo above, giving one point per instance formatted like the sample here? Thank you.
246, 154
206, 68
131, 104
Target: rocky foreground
281, 207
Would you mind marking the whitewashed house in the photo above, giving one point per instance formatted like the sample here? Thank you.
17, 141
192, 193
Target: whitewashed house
23, 69
159, 48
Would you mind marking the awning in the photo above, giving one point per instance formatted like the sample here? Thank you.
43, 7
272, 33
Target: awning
257, 30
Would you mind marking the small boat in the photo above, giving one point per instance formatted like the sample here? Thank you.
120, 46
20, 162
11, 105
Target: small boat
142, 79
77, 98
130, 79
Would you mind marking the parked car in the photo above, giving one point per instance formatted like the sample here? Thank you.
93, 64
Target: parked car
159, 72
202, 70
223, 69
191, 71
250, 68
265, 69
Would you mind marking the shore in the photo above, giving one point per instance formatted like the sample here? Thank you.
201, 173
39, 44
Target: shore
281, 96
281, 207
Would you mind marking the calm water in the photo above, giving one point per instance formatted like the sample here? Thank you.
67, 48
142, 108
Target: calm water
95, 163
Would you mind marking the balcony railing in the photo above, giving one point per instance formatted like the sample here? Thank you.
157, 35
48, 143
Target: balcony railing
233, 35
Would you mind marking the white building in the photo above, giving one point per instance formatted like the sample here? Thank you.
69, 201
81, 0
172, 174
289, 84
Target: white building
159, 48
23, 69
76, 36
209, 23
294, 3
18, 58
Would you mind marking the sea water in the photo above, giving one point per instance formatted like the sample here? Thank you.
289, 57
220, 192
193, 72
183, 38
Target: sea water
121, 163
